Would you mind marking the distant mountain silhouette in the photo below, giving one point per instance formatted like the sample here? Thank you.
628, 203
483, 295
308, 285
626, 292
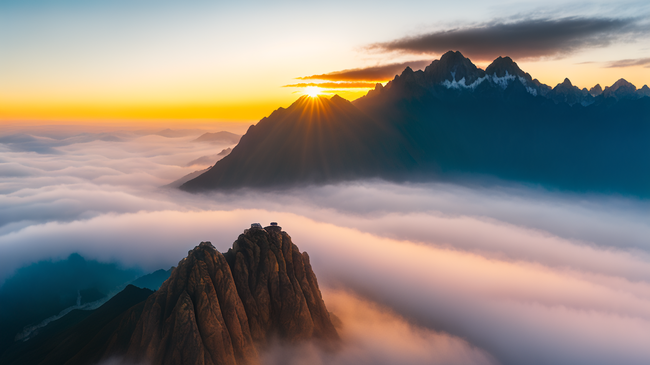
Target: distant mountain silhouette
596, 90
82, 336
44, 289
213, 308
569, 94
452, 120
210, 159
621, 90
219, 137
152, 281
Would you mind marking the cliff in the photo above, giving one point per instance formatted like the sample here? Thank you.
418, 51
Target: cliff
223, 308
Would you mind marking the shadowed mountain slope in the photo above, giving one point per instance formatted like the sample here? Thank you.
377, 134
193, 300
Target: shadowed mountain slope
44, 289
83, 337
314, 140
152, 281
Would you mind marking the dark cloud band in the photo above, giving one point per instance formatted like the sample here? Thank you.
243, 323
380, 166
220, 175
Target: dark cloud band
375, 73
526, 38
336, 85
645, 62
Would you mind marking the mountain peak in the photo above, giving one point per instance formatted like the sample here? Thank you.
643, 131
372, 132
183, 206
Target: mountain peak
407, 70
338, 99
206, 316
218, 308
502, 65
596, 90
622, 83
307, 101
621, 89
645, 90
567, 82
452, 66
315, 127
453, 57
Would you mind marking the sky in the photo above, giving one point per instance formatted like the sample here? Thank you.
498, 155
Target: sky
195, 62
430, 273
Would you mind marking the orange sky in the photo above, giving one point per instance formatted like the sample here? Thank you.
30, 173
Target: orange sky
122, 61
242, 106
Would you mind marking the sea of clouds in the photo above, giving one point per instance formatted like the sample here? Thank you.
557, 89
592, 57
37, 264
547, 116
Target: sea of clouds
431, 273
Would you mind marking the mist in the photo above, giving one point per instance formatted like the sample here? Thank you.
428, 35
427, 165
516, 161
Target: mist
479, 274
373, 334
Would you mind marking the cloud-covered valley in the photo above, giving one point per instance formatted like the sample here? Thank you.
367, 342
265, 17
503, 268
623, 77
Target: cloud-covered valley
472, 274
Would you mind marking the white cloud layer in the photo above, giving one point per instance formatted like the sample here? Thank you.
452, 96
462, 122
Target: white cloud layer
470, 274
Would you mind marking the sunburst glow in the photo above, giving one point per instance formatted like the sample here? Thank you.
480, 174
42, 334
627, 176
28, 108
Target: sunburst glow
313, 91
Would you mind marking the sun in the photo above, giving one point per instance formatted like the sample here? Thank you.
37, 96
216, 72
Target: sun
313, 91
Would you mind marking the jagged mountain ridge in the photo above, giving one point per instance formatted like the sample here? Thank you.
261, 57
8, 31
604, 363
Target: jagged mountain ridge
453, 121
454, 71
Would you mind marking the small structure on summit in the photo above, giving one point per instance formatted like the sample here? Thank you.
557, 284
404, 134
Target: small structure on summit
256, 225
274, 227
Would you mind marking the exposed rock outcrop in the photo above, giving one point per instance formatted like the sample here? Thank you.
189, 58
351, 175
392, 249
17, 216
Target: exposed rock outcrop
196, 317
278, 288
221, 309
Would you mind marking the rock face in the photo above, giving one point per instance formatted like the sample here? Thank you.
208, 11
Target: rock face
278, 288
221, 309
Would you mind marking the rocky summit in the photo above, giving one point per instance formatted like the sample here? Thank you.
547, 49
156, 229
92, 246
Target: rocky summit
224, 308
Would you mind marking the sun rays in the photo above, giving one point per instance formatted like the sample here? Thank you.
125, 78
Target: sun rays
313, 91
